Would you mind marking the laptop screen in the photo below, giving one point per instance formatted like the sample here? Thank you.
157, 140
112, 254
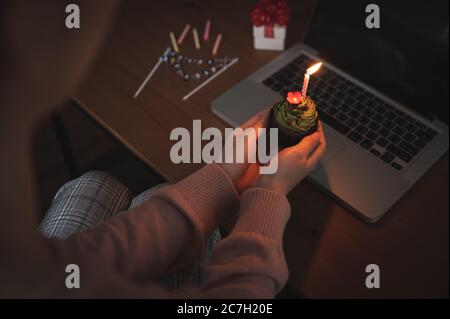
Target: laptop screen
406, 58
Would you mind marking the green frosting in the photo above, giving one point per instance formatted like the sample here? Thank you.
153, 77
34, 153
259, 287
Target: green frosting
297, 118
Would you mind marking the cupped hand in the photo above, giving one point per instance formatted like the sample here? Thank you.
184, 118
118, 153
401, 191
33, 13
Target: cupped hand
294, 164
244, 174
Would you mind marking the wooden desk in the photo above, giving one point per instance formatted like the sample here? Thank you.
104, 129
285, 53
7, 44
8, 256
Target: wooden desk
327, 248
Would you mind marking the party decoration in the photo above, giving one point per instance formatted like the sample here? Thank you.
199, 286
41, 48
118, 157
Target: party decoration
270, 19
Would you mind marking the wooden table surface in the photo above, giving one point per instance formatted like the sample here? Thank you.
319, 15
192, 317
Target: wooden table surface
326, 247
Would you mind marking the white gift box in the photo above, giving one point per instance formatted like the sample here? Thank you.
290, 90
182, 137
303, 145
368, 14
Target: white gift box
261, 42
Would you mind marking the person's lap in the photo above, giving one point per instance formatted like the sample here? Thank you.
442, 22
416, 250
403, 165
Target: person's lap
96, 197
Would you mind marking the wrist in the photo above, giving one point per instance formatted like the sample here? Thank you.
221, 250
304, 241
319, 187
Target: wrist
267, 182
229, 174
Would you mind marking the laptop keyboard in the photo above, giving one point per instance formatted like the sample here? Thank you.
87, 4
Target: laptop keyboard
376, 126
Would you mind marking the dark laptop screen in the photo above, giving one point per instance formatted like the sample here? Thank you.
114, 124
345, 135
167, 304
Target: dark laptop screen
406, 58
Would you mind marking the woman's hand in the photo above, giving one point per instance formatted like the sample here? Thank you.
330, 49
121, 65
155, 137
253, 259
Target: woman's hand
294, 164
244, 174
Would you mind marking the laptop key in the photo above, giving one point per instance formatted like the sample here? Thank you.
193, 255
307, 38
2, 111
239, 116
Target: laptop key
344, 108
286, 73
326, 96
358, 106
361, 129
375, 152
342, 117
374, 126
340, 94
355, 137
268, 82
349, 100
371, 135
400, 121
283, 80
410, 127
338, 126
364, 119
368, 112
384, 132
378, 118
361, 97
351, 122
382, 141
388, 124
409, 137
354, 114
324, 105
276, 86
380, 109
366, 144
398, 130
352, 92
333, 111
391, 115
423, 135
419, 143
397, 151
409, 148
394, 138
387, 157
431, 132
397, 166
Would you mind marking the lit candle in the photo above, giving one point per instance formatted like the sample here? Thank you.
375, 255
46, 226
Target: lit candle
308, 73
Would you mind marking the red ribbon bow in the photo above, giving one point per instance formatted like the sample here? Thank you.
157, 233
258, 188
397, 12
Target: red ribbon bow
270, 12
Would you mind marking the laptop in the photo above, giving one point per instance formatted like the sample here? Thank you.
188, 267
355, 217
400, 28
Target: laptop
382, 96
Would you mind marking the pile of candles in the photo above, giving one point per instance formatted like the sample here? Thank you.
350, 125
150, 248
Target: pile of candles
172, 56
176, 43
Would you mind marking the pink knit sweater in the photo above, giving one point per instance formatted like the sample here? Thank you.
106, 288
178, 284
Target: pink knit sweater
125, 256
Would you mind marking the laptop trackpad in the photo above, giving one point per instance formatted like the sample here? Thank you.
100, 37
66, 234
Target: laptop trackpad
243, 101
334, 146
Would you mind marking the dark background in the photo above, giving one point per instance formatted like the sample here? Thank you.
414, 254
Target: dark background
407, 58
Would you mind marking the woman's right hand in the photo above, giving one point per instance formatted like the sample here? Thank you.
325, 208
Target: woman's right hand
294, 164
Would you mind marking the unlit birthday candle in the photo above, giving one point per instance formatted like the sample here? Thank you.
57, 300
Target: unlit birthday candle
174, 42
183, 34
308, 73
217, 44
196, 39
207, 31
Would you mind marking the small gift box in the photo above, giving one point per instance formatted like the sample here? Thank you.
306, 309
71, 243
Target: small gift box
270, 19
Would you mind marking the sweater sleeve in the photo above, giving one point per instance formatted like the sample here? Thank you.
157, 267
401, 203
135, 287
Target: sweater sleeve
250, 262
125, 256
166, 232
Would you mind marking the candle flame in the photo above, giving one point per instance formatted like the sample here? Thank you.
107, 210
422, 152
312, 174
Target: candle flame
314, 68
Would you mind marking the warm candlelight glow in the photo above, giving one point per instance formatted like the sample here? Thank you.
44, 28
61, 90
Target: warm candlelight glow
308, 73
314, 68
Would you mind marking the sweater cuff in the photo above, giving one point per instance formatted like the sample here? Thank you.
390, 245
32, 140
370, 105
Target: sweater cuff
211, 195
263, 211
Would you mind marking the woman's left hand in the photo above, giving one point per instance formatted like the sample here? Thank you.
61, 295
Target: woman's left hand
243, 174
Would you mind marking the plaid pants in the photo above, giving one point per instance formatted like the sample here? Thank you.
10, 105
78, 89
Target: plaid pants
97, 196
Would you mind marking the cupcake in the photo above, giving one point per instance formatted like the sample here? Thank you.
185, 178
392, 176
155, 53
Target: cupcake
296, 117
